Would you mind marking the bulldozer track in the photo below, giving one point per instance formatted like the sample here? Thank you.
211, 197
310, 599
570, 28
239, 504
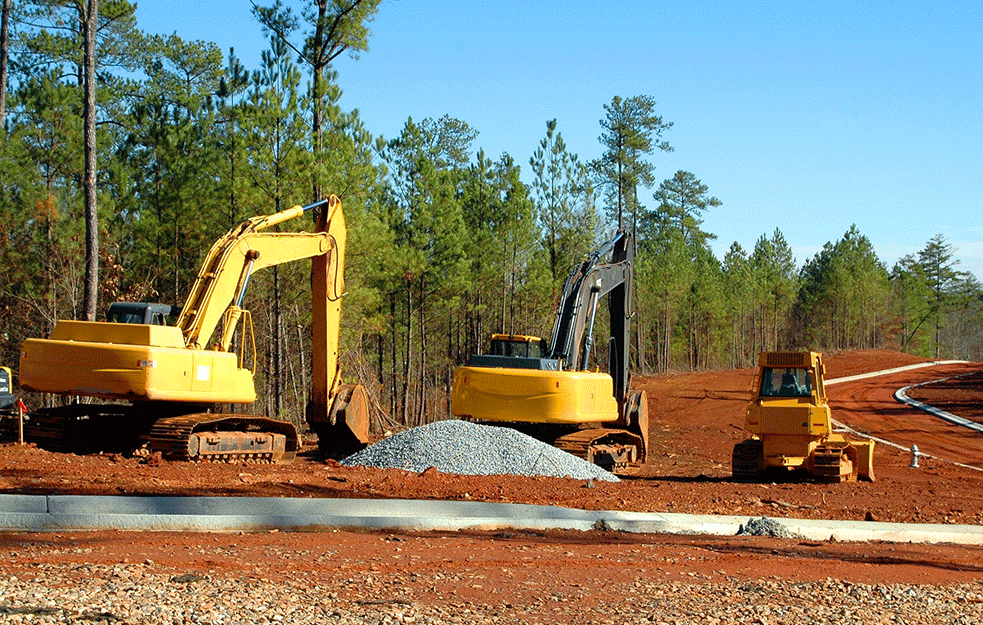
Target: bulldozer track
747, 460
832, 463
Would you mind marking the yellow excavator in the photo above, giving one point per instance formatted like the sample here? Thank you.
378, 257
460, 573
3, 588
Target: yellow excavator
548, 390
791, 427
175, 378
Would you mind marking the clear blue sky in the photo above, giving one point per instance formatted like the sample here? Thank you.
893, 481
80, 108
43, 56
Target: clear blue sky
806, 117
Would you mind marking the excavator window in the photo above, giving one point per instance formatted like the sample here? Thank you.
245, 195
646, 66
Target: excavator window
785, 382
517, 348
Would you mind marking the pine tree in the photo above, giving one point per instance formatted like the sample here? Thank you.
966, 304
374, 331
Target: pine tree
632, 131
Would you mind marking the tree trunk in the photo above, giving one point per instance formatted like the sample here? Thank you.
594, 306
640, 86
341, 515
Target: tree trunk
89, 183
277, 345
4, 29
392, 365
422, 407
407, 367
317, 70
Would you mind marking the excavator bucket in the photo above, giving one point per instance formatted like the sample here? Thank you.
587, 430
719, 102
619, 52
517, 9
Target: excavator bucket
638, 420
347, 429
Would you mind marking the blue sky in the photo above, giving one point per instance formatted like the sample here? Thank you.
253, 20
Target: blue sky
806, 117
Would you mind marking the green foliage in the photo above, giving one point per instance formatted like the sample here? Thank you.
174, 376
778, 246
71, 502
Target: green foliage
632, 130
773, 289
930, 296
843, 294
564, 203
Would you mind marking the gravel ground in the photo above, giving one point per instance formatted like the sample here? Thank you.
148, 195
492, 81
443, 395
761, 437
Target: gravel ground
470, 449
134, 593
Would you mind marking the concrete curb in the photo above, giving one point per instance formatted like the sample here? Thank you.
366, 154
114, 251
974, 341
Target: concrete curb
902, 396
45, 513
872, 374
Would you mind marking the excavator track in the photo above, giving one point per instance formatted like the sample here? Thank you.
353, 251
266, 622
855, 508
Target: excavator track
207, 437
86, 428
617, 451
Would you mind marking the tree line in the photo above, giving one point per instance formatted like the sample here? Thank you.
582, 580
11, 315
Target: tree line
124, 155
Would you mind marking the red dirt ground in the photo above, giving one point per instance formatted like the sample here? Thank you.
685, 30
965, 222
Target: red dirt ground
696, 419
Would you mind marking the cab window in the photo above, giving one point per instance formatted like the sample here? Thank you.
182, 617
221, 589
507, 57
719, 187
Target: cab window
785, 382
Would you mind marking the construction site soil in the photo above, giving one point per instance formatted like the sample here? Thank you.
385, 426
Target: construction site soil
696, 418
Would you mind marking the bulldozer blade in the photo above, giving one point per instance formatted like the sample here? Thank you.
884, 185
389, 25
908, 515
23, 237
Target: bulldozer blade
865, 459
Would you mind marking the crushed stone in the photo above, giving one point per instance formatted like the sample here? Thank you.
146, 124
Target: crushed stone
470, 449
765, 527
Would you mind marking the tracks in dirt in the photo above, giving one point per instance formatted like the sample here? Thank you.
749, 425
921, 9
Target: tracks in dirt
873, 411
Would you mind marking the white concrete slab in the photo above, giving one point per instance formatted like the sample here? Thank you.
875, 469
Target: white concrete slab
38, 513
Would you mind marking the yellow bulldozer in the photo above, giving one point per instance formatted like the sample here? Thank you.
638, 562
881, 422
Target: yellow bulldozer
548, 390
791, 428
167, 383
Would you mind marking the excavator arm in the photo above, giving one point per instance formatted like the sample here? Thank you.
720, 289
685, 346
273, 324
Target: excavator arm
224, 275
572, 339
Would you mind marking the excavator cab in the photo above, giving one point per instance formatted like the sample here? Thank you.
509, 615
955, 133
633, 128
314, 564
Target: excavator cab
143, 312
517, 346
7, 398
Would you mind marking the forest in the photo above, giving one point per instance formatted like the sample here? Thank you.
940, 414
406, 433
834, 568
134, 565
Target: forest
125, 155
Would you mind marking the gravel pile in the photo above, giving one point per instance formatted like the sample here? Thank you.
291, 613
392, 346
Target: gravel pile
766, 527
470, 449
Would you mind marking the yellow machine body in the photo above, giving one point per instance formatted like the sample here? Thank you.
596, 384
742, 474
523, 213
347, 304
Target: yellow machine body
134, 362
533, 396
789, 419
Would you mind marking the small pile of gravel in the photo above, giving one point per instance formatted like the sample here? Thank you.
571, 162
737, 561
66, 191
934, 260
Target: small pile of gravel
765, 527
470, 449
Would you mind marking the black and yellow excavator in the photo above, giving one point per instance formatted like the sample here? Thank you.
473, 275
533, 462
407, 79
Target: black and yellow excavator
174, 378
548, 390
